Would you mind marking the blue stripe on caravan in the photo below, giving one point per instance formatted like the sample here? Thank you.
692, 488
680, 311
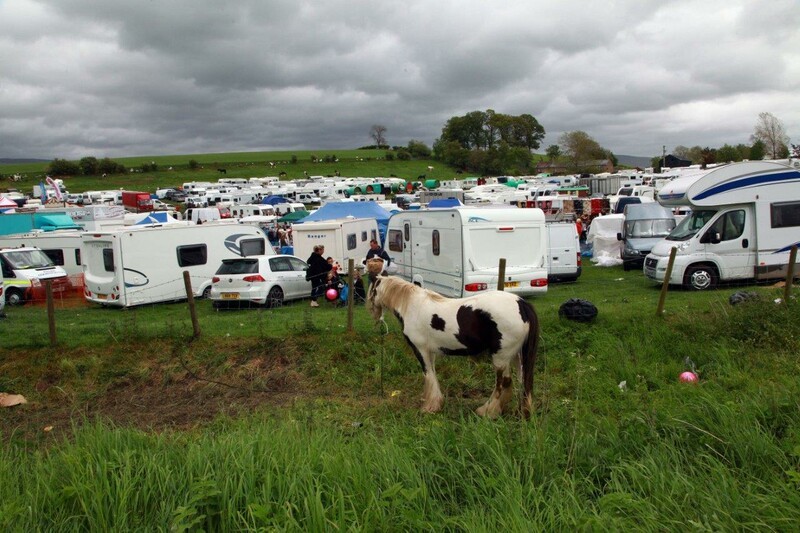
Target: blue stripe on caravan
749, 181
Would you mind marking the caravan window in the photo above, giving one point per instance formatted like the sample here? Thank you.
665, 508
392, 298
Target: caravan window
77, 256
351, 241
196, 254
363, 236
435, 242
252, 247
56, 256
108, 260
785, 214
373, 234
395, 239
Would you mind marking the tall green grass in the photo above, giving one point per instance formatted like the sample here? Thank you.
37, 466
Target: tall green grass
616, 442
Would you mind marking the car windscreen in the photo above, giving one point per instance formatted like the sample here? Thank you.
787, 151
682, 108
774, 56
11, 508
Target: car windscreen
690, 225
238, 266
645, 228
25, 259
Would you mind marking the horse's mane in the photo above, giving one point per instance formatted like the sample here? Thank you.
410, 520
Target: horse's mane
397, 293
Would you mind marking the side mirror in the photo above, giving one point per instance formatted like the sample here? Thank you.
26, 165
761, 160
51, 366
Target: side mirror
619, 236
711, 238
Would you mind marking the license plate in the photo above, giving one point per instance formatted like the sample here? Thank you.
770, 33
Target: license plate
512, 284
230, 295
102, 296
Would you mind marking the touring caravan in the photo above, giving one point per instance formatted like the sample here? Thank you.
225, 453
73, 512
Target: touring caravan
343, 238
145, 265
456, 252
745, 219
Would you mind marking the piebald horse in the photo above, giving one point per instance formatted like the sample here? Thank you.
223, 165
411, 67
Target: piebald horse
499, 324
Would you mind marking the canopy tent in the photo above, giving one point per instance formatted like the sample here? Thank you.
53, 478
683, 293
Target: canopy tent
7, 205
275, 200
155, 217
334, 210
294, 216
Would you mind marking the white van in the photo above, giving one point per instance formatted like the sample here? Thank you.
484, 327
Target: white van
25, 271
343, 238
63, 247
456, 252
563, 252
145, 265
745, 219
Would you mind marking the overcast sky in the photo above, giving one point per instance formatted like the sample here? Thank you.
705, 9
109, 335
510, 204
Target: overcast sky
152, 77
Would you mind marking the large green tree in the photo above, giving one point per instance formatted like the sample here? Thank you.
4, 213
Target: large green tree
769, 130
580, 150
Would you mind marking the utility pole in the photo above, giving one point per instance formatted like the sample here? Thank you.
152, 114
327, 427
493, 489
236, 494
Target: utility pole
663, 156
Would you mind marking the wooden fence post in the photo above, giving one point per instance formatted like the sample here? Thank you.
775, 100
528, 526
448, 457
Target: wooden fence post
187, 283
787, 289
351, 271
501, 274
51, 311
665, 285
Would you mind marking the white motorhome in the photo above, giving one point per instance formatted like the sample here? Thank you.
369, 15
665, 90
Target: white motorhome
456, 252
745, 218
145, 265
343, 238
25, 272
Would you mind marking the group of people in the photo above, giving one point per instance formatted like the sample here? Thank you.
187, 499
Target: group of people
324, 273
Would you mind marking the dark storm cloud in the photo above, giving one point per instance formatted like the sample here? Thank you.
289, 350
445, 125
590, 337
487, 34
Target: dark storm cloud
138, 78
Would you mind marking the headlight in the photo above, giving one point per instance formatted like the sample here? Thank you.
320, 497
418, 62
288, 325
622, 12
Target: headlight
683, 246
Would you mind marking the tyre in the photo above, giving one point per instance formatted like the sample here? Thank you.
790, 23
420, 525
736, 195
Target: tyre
700, 278
15, 297
626, 266
275, 297
206, 293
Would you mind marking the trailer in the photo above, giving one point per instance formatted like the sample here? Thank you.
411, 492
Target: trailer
745, 219
145, 265
456, 252
343, 238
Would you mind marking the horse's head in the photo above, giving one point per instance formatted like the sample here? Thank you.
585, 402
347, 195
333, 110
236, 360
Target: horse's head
374, 298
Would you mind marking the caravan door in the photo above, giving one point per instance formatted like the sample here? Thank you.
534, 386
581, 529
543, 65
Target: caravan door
398, 246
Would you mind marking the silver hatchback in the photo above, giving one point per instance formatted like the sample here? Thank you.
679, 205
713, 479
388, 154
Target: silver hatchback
266, 280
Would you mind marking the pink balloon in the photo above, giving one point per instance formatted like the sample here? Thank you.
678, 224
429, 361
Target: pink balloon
332, 294
689, 377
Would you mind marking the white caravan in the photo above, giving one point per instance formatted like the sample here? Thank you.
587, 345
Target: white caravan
745, 218
343, 238
563, 252
145, 265
456, 252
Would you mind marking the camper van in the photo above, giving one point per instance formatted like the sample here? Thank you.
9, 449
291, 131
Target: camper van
644, 226
745, 219
25, 272
145, 265
456, 252
343, 238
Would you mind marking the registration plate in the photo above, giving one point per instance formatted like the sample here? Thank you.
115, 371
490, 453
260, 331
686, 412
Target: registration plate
102, 296
512, 284
230, 295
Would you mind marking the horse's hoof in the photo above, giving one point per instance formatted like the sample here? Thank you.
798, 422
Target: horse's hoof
488, 411
433, 406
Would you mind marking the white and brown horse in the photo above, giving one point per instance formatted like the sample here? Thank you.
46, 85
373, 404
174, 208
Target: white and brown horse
499, 324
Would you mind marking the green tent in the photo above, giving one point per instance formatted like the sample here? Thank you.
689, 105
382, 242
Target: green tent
294, 216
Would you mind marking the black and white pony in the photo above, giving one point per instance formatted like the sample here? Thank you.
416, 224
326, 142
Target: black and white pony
499, 324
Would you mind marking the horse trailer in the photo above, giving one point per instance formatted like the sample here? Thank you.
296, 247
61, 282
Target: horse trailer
456, 252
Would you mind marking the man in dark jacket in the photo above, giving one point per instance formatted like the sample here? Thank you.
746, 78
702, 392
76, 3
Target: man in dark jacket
318, 268
376, 252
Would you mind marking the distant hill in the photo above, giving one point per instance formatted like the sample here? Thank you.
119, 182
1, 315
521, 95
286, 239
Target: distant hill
9, 161
633, 160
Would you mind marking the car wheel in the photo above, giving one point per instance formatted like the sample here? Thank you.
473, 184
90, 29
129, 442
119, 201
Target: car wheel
15, 297
207, 292
700, 278
626, 266
275, 297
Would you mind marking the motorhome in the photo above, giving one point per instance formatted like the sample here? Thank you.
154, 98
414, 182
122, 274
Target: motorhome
745, 219
25, 273
343, 238
456, 252
145, 265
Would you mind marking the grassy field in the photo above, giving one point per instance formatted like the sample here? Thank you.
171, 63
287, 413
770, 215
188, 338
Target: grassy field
284, 420
174, 170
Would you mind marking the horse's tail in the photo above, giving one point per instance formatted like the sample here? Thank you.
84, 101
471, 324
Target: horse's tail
528, 356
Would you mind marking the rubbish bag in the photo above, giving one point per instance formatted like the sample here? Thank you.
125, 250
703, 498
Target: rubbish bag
742, 296
578, 310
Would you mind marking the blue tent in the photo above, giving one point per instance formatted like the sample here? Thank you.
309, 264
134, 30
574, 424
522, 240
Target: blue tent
334, 210
445, 202
156, 217
275, 200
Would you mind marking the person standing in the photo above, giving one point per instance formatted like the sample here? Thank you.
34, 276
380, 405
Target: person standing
317, 273
376, 252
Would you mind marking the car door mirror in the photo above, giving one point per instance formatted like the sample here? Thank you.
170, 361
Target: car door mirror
711, 237
619, 236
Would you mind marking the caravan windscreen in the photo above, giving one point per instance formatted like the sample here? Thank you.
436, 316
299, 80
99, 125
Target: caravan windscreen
490, 244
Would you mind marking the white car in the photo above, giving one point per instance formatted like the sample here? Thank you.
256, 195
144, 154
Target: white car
259, 280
